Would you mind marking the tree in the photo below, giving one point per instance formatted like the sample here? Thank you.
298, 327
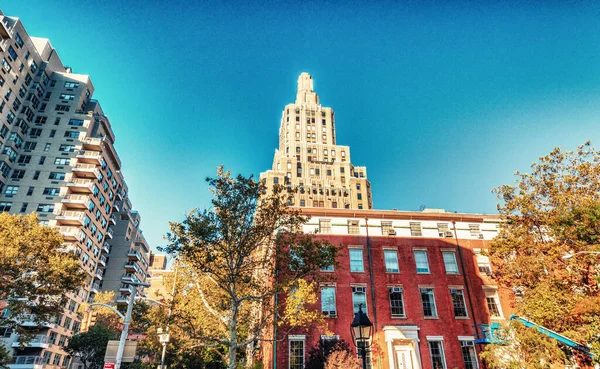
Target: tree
318, 355
5, 357
342, 359
90, 346
242, 253
548, 214
36, 273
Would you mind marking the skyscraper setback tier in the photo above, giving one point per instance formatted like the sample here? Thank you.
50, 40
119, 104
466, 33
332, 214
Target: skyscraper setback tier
57, 159
310, 162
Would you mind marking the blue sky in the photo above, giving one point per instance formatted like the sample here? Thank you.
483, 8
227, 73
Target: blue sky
442, 101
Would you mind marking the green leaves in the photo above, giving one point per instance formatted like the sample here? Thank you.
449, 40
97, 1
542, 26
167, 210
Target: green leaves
90, 346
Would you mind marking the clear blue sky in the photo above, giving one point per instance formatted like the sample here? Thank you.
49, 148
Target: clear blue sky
442, 101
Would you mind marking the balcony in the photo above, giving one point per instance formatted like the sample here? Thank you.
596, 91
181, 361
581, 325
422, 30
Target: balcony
76, 201
126, 289
71, 233
92, 143
39, 341
28, 320
132, 266
117, 206
109, 233
91, 157
106, 248
112, 219
128, 277
98, 275
134, 255
27, 362
120, 195
95, 288
78, 185
123, 300
102, 260
68, 247
70, 217
86, 171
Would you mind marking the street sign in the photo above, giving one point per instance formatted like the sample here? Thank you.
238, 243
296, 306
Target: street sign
163, 338
109, 365
128, 352
136, 337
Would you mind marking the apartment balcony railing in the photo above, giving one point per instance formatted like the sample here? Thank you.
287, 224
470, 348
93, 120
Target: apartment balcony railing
126, 289
106, 248
112, 219
98, 275
72, 201
128, 277
95, 288
86, 171
71, 233
80, 185
86, 156
102, 260
29, 320
93, 143
27, 362
129, 266
109, 233
123, 300
69, 217
134, 255
39, 341
117, 205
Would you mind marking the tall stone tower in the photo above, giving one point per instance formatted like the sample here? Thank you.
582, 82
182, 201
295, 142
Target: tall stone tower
309, 160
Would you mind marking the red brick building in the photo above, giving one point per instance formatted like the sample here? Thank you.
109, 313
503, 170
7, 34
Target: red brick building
422, 279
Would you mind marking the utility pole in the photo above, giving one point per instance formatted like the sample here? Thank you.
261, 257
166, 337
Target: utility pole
164, 345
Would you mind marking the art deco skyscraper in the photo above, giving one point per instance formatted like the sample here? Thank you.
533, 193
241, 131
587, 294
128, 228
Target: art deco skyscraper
309, 160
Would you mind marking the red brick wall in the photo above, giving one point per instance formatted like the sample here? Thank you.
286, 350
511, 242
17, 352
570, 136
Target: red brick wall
446, 325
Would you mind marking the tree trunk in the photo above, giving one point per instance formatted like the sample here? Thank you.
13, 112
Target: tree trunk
233, 337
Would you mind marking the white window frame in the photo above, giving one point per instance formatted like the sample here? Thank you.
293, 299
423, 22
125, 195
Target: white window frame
415, 251
444, 252
492, 292
296, 338
459, 288
395, 252
362, 259
470, 340
328, 312
366, 302
439, 340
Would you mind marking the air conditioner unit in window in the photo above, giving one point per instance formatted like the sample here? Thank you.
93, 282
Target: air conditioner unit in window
331, 314
480, 236
391, 232
396, 290
448, 234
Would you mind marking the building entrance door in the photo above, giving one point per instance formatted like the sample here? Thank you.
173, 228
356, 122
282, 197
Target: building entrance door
404, 358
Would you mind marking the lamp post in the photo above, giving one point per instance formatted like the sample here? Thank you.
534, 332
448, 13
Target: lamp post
569, 256
126, 321
361, 329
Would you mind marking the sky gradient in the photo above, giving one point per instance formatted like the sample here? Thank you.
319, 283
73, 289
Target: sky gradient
440, 101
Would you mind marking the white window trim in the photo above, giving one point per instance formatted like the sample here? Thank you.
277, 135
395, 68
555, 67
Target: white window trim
439, 339
298, 337
435, 338
466, 338
492, 291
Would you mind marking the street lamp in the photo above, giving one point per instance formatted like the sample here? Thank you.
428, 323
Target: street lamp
361, 328
569, 256
126, 321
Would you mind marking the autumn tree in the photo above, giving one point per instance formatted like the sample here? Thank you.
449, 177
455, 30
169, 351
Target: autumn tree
36, 273
241, 253
546, 251
90, 347
318, 355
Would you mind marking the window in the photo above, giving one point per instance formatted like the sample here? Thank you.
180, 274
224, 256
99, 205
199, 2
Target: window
47, 208
5, 65
353, 227
76, 122
71, 84
356, 260
29, 145
18, 40
296, 353
450, 262
387, 228
328, 301
5, 206
12, 53
17, 174
324, 225
397, 302
436, 351
51, 191
62, 161
421, 261
443, 229
458, 302
24, 159
35, 132
428, 300
474, 228
30, 191
62, 108
40, 119
493, 303
36, 175
415, 229
24, 207
469, 355
11, 191
33, 67
56, 175
67, 97
483, 263
67, 148
391, 261
359, 298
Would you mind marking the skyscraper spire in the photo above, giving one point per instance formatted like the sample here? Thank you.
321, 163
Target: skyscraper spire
309, 160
